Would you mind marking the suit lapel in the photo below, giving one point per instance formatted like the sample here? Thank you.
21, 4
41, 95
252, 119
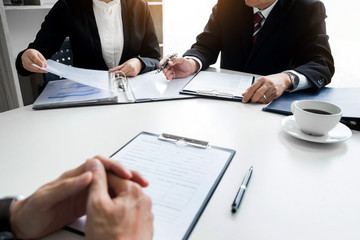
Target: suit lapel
95, 38
127, 24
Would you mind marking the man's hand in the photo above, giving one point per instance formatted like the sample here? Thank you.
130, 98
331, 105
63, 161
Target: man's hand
267, 88
131, 67
30, 57
179, 67
62, 201
126, 214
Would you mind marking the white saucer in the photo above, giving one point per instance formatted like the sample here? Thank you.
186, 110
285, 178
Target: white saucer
338, 134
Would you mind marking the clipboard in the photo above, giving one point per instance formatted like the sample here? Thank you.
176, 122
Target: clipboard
219, 85
183, 173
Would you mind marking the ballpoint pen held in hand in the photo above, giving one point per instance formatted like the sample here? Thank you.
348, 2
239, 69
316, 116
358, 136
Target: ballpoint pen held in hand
166, 63
241, 191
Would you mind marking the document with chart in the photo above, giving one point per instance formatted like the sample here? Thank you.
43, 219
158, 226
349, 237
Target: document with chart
183, 173
89, 87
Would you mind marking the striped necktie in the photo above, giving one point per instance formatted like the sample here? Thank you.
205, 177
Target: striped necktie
258, 23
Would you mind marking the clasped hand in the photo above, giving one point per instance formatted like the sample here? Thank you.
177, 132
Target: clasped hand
107, 192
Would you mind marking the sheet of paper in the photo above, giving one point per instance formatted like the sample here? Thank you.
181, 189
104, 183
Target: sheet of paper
156, 87
180, 177
94, 78
145, 87
220, 83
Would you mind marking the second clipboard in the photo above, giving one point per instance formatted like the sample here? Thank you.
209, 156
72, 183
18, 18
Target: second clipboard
219, 85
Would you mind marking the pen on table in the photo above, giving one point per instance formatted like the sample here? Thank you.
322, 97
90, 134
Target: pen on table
241, 191
166, 63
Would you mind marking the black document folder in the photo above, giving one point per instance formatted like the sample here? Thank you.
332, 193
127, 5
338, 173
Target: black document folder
348, 99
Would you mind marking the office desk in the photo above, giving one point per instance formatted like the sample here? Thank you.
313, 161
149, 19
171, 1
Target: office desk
299, 190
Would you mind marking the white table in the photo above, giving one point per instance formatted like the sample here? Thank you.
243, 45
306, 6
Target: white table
299, 190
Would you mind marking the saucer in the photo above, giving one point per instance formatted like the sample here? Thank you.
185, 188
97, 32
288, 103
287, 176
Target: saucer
338, 134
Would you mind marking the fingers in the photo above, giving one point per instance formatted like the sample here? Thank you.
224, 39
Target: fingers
118, 68
98, 190
180, 68
136, 177
168, 73
109, 165
32, 56
61, 189
115, 167
42, 60
131, 67
122, 189
165, 59
117, 186
261, 91
121, 171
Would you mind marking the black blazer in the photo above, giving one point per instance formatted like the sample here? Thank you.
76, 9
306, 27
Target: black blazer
76, 19
292, 38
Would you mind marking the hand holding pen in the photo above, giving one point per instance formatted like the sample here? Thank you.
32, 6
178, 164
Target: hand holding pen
166, 63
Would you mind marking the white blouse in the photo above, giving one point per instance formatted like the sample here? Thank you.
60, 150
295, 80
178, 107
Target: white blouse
110, 27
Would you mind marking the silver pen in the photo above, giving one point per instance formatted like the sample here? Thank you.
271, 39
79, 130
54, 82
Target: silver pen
166, 63
241, 191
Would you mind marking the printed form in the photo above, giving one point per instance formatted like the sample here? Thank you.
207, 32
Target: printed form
181, 178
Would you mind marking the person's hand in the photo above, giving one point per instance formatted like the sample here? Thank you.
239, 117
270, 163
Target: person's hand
131, 67
267, 88
179, 67
60, 202
125, 214
30, 57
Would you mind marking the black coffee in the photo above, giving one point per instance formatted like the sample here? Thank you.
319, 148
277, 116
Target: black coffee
317, 111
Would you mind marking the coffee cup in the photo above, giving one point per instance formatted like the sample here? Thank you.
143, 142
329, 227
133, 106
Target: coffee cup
316, 118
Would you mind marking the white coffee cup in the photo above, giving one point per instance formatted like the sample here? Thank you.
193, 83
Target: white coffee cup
316, 118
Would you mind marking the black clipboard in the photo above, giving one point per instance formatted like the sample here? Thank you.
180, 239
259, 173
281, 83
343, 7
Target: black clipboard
168, 141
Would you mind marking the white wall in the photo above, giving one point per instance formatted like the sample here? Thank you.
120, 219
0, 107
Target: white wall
344, 32
183, 21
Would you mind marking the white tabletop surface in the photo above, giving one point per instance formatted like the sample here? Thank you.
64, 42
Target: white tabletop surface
299, 189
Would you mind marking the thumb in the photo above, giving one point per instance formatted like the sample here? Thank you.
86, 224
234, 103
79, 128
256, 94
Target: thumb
98, 188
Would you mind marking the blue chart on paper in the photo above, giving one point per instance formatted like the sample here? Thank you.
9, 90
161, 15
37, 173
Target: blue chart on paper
74, 90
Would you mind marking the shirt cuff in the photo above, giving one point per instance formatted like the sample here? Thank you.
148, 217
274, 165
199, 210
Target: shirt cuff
197, 60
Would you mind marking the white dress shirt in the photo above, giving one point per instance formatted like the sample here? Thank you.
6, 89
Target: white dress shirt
110, 28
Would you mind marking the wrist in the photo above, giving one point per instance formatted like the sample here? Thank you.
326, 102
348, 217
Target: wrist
292, 80
6, 204
13, 218
194, 65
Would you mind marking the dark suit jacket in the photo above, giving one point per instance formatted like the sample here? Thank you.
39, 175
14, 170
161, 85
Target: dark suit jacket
292, 38
76, 19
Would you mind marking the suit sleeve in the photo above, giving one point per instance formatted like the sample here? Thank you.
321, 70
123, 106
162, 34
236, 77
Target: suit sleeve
313, 57
150, 50
50, 36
